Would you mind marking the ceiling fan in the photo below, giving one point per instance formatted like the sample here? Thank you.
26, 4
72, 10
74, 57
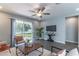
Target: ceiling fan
39, 11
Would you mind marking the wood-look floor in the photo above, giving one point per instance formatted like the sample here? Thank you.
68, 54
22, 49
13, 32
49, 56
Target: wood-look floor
47, 45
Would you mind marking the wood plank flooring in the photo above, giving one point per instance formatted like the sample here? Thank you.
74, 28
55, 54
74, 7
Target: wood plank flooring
47, 45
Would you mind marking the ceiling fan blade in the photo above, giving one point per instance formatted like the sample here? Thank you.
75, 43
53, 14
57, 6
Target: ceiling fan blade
34, 15
42, 9
37, 10
46, 13
32, 11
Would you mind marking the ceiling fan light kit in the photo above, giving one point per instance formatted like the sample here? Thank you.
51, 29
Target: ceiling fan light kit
39, 14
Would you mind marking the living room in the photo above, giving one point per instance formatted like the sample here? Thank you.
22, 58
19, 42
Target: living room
50, 24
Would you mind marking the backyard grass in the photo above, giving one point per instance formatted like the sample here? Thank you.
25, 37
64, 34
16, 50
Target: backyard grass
25, 34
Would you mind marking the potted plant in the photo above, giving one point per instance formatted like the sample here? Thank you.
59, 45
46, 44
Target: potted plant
29, 43
39, 32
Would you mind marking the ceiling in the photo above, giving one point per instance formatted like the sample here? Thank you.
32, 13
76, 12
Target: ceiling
55, 10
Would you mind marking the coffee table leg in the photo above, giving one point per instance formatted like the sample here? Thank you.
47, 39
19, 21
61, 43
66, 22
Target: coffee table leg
16, 51
51, 50
25, 54
42, 49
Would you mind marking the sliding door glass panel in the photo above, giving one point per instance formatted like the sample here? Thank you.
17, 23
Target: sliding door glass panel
23, 28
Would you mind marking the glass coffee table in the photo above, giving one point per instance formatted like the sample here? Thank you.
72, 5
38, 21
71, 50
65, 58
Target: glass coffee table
30, 48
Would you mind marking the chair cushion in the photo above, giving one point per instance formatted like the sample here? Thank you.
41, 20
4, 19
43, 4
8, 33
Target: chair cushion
2, 42
18, 39
4, 47
62, 52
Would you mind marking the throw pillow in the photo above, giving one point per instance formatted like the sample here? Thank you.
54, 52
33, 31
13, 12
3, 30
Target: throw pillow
59, 53
73, 52
62, 52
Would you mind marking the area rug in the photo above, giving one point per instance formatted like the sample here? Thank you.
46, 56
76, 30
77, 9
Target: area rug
34, 53
37, 53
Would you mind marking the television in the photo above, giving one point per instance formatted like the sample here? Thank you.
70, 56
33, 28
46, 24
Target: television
51, 28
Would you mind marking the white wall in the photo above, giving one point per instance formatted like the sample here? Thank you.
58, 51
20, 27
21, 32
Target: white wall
4, 27
72, 29
60, 33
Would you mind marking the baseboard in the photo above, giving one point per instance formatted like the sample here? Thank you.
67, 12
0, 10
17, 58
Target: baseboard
72, 42
60, 42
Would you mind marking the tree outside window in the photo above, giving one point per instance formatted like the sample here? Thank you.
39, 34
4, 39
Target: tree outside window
24, 29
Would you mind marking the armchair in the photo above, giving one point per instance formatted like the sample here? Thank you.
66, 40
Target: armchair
19, 42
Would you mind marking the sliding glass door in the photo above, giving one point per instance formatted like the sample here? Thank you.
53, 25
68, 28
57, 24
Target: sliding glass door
22, 28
